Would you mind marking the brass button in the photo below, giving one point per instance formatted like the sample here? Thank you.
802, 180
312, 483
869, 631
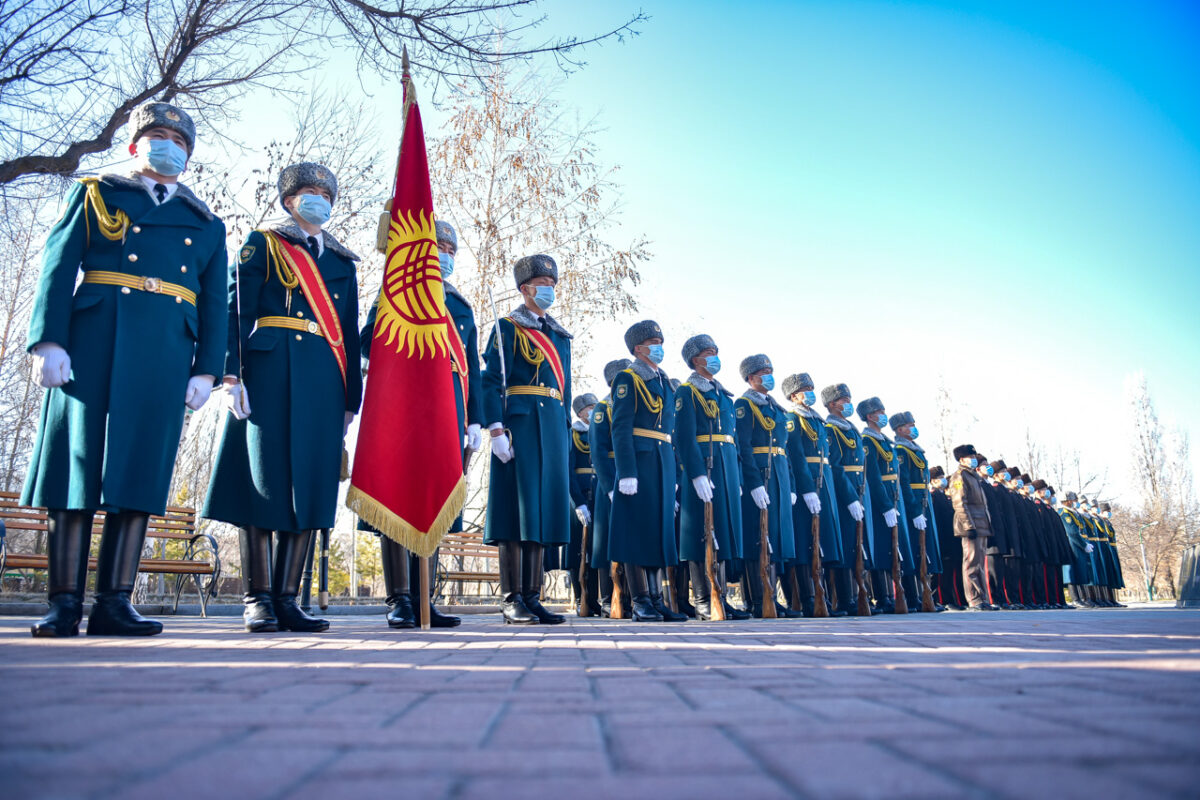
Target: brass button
178, 299
124, 290
183, 269
313, 327
300, 314
335, 295
133, 256
299, 337
188, 242
137, 228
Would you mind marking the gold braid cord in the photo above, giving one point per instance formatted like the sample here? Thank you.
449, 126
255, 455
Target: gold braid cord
916, 460
709, 406
809, 430
112, 226
580, 444
654, 404
530, 352
275, 258
847, 441
768, 424
884, 454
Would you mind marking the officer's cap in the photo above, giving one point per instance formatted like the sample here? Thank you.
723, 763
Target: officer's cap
936, 472
1030, 481
582, 401
445, 233
1039, 484
162, 115
695, 346
613, 367
641, 331
538, 266
306, 173
1105, 507
798, 382
833, 392
753, 364
900, 419
964, 450
868, 407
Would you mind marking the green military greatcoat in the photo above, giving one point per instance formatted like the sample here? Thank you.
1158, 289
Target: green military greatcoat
706, 441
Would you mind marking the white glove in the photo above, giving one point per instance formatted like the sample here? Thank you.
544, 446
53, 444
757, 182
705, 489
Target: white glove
198, 389
1089, 547
51, 365
238, 400
759, 496
813, 502
704, 488
676, 506
856, 511
795, 497
585, 516
627, 486
346, 425
502, 448
610, 494
474, 437
891, 517
920, 522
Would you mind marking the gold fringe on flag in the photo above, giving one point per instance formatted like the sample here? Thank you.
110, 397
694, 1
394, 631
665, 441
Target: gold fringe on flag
382, 519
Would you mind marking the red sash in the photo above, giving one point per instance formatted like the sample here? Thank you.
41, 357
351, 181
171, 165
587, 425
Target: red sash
543, 343
301, 263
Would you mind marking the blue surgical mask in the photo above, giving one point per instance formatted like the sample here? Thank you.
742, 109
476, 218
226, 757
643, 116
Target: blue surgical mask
881, 420
712, 364
544, 297
913, 433
990, 470
166, 157
768, 382
313, 209
1004, 476
656, 354
447, 263
972, 463
810, 398
1020, 483
847, 409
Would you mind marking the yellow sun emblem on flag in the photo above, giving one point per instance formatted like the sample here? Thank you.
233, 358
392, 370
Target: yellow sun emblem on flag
412, 303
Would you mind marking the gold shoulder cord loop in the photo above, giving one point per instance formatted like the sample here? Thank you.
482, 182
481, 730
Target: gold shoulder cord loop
582, 446
846, 440
709, 406
654, 404
809, 430
885, 455
767, 424
912, 455
112, 226
282, 270
530, 353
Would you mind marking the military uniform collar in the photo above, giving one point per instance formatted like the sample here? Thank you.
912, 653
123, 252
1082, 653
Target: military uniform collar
646, 372
287, 227
705, 385
879, 437
527, 319
807, 413
841, 423
910, 444
450, 290
760, 399
579, 426
134, 182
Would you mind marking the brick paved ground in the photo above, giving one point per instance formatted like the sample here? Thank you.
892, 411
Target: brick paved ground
1096, 704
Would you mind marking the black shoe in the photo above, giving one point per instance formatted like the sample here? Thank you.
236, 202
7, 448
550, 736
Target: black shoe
544, 615
66, 611
439, 620
259, 614
606, 610
113, 615
400, 612
887, 608
532, 572
990, 607
733, 612
291, 551
514, 611
783, 612
974, 608
656, 598
643, 610
839, 613
292, 618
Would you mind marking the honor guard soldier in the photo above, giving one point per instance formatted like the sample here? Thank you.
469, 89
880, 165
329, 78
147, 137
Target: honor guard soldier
704, 439
883, 483
604, 462
400, 565
762, 437
1027, 529
950, 588
846, 463
808, 452
1111, 533
1060, 553
1000, 541
526, 394
294, 386
1079, 574
583, 495
1100, 558
141, 336
913, 469
1008, 560
642, 530
971, 525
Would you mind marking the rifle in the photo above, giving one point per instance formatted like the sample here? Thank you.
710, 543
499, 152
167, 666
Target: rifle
618, 603
860, 572
669, 589
764, 541
819, 607
927, 603
323, 574
716, 594
583, 569
897, 586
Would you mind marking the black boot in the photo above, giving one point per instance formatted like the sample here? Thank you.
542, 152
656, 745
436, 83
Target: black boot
655, 583
784, 580
512, 603
847, 598
911, 593
680, 580
259, 612
291, 551
641, 605
436, 618
808, 594
752, 587
604, 590
394, 557
68, 543
120, 554
532, 571
881, 587
700, 585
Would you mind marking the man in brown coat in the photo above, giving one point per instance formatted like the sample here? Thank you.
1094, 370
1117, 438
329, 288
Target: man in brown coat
972, 524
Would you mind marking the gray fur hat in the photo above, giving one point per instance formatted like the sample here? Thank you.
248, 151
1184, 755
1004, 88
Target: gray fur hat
445, 233
834, 391
695, 346
538, 266
641, 331
613, 367
900, 419
582, 401
869, 406
799, 382
752, 364
306, 173
162, 115
1072, 497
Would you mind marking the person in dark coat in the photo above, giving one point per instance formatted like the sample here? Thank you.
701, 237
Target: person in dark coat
583, 495
1054, 540
998, 544
887, 512
950, 588
846, 463
526, 397
399, 564
762, 438
121, 354
972, 524
808, 453
604, 462
642, 535
912, 467
1111, 532
292, 397
705, 439
1031, 551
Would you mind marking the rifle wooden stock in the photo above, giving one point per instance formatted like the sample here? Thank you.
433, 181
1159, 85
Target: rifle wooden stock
323, 573
897, 586
716, 597
669, 588
764, 566
864, 605
819, 607
583, 570
927, 603
794, 581
618, 597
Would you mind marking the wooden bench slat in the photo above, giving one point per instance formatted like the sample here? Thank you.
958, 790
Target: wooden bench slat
166, 565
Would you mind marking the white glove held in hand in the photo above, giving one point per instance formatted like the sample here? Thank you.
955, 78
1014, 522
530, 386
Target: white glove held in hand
759, 496
891, 517
856, 511
474, 437
198, 389
51, 365
1089, 547
585, 516
920, 522
239, 401
627, 486
502, 448
704, 488
813, 502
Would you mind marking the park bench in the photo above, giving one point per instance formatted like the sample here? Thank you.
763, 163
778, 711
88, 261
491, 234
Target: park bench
472, 562
200, 560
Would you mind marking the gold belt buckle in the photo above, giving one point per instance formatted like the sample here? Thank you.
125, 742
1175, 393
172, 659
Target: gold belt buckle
152, 285
555, 394
313, 327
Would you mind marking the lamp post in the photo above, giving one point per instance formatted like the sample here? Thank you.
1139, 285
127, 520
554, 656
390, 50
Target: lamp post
1146, 569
